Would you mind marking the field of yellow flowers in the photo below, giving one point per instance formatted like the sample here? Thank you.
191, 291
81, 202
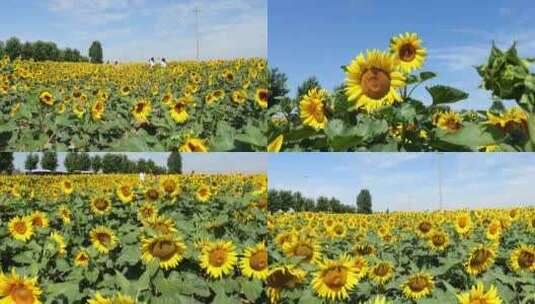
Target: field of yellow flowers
118, 239
188, 106
479, 256
375, 109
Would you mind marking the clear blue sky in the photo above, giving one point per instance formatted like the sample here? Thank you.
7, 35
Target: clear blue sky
135, 30
409, 181
215, 162
316, 37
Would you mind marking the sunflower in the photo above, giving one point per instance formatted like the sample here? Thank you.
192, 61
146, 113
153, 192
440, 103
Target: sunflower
97, 110
141, 111
480, 259
39, 219
218, 258
67, 187
334, 279
203, 194
99, 299
261, 98
449, 121
494, 230
408, 50
81, 258
364, 249
170, 187
463, 223
162, 225
372, 81
378, 300
381, 272
168, 250
312, 109
438, 240
193, 145
285, 237
418, 286
21, 228
18, 290
122, 299
125, 193
103, 239
239, 96
60, 242
511, 117
360, 267
338, 230
523, 259
423, 228
152, 194
79, 110
283, 277
308, 249
276, 144
47, 98
64, 214
100, 205
254, 263
125, 90
147, 211
478, 295
179, 113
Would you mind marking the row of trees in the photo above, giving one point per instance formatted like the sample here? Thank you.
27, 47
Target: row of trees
78, 162
288, 200
45, 50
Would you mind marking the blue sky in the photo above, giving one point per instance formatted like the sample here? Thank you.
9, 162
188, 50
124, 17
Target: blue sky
316, 37
199, 162
409, 181
135, 30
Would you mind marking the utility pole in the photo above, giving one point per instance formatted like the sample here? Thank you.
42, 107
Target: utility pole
197, 10
439, 180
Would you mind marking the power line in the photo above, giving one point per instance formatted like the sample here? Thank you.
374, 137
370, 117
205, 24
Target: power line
197, 11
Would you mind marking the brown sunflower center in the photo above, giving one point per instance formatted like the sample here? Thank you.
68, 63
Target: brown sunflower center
263, 95
37, 221
125, 190
163, 249
424, 227
217, 257
161, 228
82, 257
169, 186
381, 270
305, 251
179, 108
258, 260
281, 279
140, 107
526, 259
480, 257
407, 52
478, 299
462, 222
493, 229
101, 204
452, 124
147, 212
20, 227
104, 238
153, 194
203, 192
22, 295
339, 229
335, 278
375, 83
364, 250
438, 239
418, 284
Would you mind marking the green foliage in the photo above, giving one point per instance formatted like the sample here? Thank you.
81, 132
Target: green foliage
95, 52
174, 163
38, 51
49, 161
6, 162
278, 86
285, 200
307, 85
76, 162
364, 202
96, 163
31, 162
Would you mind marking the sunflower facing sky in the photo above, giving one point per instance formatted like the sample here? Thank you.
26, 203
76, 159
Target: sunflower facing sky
477, 294
335, 278
103, 239
254, 263
408, 50
169, 251
15, 289
218, 258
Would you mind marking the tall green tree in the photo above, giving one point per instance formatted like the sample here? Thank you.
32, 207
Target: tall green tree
49, 161
307, 85
13, 47
364, 202
31, 162
174, 163
6, 162
95, 52
278, 86
96, 163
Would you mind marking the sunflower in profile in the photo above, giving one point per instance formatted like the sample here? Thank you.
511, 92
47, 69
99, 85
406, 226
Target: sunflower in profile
523, 259
276, 144
360, 267
125, 193
285, 237
21, 228
418, 286
142, 110
97, 110
67, 187
168, 250
239, 96
506, 121
334, 279
100, 206
372, 81
480, 259
162, 225
103, 239
47, 98
39, 219
478, 295
81, 259
18, 290
408, 50
281, 278
60, 242
312, 109
438, 240
179, 112
193, 144
254, 263
64, 214
261, 98
203, 193
449, 121
381, 272
218, 258
308, 249
364, 249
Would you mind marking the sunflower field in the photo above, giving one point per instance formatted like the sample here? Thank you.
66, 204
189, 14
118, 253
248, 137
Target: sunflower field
479, 256
188, 106
376, 108
103, 239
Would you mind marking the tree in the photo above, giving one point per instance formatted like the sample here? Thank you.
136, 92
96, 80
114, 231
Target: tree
95, 52
70, 162
278, 87
13, 47
364, 202
49, 161
2, 47
6, 162
84, 162
96, 163
174, 163
32, 160
307, 85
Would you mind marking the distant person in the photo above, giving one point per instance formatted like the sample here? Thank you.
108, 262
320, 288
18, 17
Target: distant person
116, 63
151, 62
163, 63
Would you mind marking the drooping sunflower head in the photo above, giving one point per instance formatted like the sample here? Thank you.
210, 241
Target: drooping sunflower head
381, 272
449, 121
372, 81
100, 205
218, 258
477, 294
283, 277
168, 250
21, 228
142, 110
408, 50
522, 259
193, 144
360, 267
480, 259
179, 112
312, 108
103, 239
334, 279
254, 263
81, 258
47, 98
203, 193
60, 242
308, 249
418, 286
261, 98
19, 290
